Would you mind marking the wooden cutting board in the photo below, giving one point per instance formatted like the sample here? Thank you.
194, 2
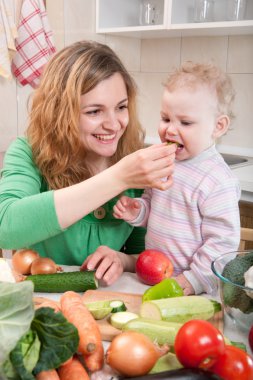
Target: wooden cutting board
133, 303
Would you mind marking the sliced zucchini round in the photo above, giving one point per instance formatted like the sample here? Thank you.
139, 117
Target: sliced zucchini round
117, 305
120, 318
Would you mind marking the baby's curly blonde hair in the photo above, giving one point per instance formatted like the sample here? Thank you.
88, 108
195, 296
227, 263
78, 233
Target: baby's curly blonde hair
192, 74
53, 130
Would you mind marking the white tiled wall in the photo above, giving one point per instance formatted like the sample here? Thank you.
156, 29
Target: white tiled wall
149, 61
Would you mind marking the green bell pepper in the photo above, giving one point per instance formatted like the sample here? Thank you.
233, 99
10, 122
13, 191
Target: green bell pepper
165, 289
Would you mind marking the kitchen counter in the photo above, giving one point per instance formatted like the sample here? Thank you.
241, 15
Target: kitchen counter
128, 283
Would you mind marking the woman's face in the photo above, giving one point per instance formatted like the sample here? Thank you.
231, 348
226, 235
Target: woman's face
104, 117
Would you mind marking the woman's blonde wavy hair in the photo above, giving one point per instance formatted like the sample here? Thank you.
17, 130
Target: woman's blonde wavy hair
53, 130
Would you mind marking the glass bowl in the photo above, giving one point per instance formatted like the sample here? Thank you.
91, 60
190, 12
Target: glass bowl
237, 299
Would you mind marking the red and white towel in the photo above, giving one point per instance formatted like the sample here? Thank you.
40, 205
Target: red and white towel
8, 33
34, 43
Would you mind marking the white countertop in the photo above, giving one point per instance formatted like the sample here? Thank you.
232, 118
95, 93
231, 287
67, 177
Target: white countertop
128, 283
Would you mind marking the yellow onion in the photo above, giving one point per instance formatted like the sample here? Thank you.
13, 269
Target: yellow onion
133, 354
22, 260
44, 265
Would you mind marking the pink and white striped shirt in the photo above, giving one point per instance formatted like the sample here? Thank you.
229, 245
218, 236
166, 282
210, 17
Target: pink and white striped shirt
197, 219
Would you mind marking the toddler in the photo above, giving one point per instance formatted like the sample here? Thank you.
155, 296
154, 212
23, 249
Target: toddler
197, 218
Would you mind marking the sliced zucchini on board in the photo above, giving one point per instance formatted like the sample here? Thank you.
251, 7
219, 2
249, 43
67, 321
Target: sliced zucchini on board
79, 281
101, 312
120, 318
101, 309
117, 306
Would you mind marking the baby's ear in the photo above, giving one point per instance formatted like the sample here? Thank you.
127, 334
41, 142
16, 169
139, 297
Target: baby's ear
221, 127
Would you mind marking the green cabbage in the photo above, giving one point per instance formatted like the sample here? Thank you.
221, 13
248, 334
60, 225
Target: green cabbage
16, 314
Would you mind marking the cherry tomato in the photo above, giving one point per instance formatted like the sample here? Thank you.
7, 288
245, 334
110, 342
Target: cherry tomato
233, 364
198, 344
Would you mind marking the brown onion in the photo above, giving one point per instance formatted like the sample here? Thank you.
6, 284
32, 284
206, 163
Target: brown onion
133, 354
22, 260
44, 265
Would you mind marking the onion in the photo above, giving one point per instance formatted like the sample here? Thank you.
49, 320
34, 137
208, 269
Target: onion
22, 260
44, 265
133, 354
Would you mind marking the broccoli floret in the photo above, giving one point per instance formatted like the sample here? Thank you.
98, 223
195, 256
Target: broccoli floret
234, 271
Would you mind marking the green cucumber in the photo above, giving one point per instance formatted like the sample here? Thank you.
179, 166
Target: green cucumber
120, 318
180, 309
117, 305
160, 332
79, 281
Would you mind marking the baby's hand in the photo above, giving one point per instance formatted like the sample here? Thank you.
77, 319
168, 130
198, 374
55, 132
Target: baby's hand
126, 208
185, 284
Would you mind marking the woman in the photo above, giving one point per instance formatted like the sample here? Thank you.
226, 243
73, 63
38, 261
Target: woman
82, 149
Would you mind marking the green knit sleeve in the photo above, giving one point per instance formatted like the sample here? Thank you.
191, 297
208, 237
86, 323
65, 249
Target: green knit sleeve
27, 215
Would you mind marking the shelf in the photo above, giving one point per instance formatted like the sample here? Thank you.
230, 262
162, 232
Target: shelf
175, 19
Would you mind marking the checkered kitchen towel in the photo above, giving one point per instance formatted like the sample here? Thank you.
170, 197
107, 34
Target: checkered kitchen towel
34, 43
8, 33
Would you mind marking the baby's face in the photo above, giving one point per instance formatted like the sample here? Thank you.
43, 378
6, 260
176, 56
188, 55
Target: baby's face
189, 117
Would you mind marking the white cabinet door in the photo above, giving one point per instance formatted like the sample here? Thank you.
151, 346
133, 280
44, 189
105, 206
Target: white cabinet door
172, 18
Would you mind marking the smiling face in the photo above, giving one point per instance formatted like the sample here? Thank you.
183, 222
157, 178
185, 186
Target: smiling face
189, 117
104, 118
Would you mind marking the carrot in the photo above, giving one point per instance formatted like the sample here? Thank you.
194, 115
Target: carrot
77, 313
48, 375
73, 370
94, 362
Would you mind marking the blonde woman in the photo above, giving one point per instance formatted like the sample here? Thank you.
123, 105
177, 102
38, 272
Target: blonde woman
83, 147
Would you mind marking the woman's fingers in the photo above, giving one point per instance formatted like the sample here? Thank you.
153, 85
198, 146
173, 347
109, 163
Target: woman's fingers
107, 264
144, 167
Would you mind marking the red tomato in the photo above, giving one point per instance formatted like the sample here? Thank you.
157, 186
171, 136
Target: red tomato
234, 364
198, 344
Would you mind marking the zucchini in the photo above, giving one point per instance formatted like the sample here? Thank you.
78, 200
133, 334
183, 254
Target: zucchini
160, 332
180, 309
117, 305
79, 281
120, 318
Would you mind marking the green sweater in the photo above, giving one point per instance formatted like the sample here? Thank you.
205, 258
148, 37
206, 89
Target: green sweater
28, 218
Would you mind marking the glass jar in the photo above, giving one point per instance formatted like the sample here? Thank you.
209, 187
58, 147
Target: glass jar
203, 10
148, 12
236, 10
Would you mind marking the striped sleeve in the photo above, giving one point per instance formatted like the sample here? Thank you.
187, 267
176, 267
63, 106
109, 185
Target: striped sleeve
220, 233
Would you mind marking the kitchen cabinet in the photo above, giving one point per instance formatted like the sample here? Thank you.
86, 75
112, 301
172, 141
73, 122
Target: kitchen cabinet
171, 18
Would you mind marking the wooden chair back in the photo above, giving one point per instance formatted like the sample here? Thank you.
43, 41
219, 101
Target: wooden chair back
246, 241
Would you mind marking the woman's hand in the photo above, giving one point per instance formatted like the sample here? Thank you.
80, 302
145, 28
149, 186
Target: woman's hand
185, 284
109, 264
148, 167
